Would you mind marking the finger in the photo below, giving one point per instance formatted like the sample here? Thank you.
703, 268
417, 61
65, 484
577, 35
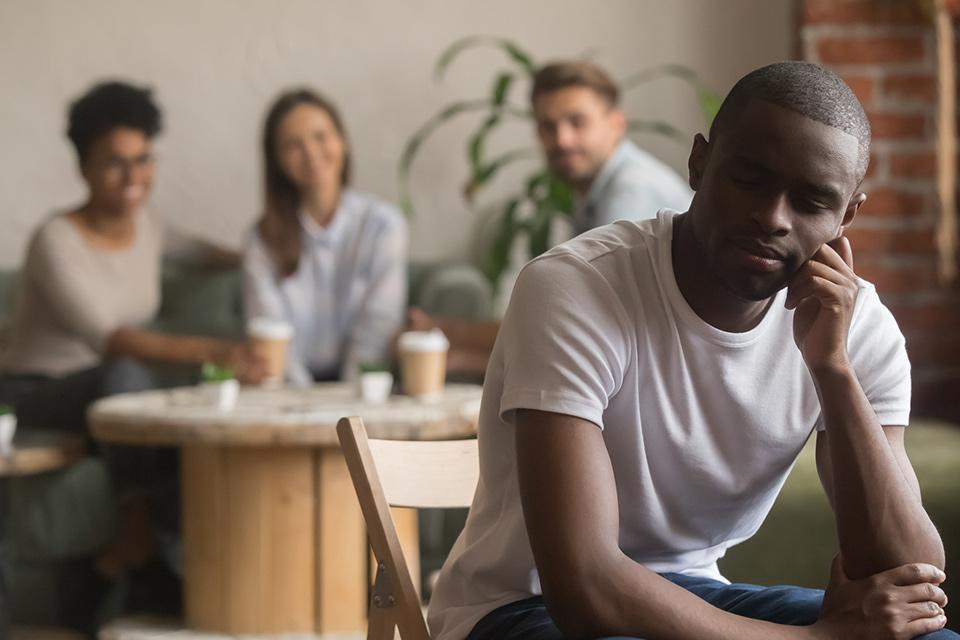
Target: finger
923, 626
827, 254
921, 610
844, 249
915, 573
827, 293
925, 592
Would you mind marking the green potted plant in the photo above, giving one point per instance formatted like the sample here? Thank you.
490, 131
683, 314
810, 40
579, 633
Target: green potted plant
543, 196
220, 385
374, 382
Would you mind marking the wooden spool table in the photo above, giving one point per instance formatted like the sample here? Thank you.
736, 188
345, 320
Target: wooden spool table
39, 451
273, 537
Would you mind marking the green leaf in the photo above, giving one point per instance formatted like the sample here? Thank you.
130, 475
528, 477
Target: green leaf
497, 259
709, 100
486, 172
476, 142
500, 88
657, 126
539, 229
511, 50
211, 372
560, 197
6, 409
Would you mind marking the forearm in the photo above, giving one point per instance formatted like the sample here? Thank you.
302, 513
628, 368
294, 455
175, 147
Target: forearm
881, 522
629, 600
160, 347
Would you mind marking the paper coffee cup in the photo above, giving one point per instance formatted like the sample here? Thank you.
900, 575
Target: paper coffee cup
423, 363
8, 426
270, 340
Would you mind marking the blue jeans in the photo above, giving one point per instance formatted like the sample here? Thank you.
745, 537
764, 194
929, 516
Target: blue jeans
528, 619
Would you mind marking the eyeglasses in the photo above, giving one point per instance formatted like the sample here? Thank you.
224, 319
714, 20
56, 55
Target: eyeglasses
119, 165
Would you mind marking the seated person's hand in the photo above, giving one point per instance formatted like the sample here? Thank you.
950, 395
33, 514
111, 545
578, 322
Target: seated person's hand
901, 603
420, 320
249, 367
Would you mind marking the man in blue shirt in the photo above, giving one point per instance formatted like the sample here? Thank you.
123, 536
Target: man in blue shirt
582, 131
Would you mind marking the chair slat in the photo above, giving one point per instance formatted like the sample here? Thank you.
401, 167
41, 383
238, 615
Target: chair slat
440, 474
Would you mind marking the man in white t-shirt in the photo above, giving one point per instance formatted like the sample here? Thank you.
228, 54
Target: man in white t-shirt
653, 383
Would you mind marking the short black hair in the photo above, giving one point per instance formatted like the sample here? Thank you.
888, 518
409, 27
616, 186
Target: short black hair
808, 89
106, 106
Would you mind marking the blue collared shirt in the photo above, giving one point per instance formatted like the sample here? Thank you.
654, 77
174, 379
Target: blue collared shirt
632, 185
348, 296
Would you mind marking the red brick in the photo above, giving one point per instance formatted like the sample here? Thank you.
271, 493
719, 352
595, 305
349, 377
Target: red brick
889, 202
913, 86
914, 164
932, 348
932, 316
864, 87
937, 398
862, 11
891, 241
871, 50
897, 125
896, 279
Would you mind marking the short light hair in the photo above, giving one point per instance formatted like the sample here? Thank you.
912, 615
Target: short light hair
574, 73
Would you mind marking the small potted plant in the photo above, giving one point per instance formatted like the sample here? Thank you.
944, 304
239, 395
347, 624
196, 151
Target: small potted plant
375, 382
221, 385
8, 425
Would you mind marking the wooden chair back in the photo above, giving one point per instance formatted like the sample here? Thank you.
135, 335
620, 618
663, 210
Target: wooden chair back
386, 473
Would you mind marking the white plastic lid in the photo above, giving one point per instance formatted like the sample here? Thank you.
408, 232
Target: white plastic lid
269, 329
432, 340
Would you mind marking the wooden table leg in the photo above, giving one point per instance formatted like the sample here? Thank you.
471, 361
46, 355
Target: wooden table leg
342, 583
248, 537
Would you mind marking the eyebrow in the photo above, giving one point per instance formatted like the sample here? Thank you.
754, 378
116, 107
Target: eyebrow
821, 190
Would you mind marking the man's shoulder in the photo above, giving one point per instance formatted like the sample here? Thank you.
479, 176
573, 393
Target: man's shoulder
594, 245
640, 166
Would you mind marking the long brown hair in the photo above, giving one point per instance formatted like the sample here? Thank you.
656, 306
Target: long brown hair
279, 225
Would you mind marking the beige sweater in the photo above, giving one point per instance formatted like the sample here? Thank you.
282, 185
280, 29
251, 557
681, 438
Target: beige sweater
72, 296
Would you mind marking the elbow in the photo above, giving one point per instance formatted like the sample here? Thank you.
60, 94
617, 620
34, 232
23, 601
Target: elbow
582, 603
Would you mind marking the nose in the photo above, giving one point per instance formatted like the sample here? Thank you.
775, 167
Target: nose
564, 136
774, 215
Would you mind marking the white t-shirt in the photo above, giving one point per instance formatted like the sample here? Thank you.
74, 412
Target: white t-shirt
702, 426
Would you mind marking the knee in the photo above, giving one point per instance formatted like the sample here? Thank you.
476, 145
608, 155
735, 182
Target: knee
123, 375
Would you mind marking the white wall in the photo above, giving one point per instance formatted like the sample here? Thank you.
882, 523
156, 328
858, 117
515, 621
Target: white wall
215, 65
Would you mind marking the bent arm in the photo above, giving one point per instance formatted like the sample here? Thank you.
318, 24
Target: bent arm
591, 588
161, 347
871, 485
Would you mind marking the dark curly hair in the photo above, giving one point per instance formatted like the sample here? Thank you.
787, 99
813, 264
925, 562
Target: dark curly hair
109, 105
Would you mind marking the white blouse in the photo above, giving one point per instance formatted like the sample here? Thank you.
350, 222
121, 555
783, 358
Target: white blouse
347, 298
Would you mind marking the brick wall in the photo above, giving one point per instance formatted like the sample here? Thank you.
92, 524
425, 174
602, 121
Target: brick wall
886, 51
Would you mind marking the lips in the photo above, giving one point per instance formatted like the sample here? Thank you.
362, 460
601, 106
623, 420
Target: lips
757, 256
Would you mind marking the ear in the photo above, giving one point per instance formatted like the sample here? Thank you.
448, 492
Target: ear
618, 120
697, 163
852, 208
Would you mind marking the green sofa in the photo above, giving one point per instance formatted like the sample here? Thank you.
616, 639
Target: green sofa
56, 519
797, 541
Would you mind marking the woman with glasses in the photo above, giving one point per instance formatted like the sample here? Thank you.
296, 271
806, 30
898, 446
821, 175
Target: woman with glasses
91, 280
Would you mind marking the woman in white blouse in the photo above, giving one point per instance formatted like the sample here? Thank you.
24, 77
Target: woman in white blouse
329, 260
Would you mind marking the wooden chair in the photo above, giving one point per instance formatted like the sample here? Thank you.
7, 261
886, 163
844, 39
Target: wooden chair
385, 473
